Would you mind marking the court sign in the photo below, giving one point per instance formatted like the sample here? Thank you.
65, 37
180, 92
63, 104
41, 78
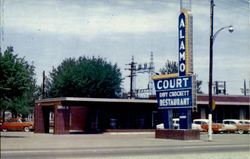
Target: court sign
175, 92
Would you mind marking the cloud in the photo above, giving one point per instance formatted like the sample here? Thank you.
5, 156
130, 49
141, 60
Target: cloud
87, 22
48, 31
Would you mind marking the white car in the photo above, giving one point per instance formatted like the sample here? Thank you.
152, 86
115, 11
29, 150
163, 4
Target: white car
244, 121
175, 124
198, 122
230, 125
236, 125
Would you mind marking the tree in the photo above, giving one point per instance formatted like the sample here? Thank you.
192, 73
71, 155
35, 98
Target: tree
198, 86
17, 83
172, 67
169, 68
85, 77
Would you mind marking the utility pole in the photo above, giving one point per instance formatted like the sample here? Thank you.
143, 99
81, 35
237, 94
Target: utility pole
220, 87
132, 75
151, 72
210, 71
148, 68
245, 89
43, 89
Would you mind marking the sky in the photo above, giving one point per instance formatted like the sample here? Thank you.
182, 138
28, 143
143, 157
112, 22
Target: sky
46, 32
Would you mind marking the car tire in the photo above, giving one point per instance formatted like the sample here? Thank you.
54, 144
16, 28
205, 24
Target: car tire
4, 130
240, 131
26, 129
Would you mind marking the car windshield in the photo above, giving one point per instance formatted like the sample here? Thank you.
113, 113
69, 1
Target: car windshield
229, 122
197, 122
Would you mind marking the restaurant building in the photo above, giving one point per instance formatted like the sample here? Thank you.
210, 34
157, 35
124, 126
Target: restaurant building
71, 114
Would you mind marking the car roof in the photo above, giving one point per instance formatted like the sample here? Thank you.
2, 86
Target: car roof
231, 120
244, 120
200, 120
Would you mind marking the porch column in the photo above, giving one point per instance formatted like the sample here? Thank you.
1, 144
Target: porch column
61, 119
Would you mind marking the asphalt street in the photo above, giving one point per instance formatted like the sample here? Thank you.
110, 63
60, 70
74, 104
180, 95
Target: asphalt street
21, 145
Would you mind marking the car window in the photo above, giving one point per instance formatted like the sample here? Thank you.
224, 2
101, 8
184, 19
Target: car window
241, 122
247, 122
203, 122
226, 122
197, 122
232, 122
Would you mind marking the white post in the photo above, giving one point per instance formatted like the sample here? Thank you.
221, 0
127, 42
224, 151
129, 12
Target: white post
210, 130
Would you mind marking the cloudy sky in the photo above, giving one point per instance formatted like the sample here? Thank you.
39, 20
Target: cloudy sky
46, 32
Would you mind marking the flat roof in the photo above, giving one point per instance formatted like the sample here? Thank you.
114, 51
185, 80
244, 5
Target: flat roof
225, 99
108, 100
201, 99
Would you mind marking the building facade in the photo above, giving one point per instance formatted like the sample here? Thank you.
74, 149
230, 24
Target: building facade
69, 114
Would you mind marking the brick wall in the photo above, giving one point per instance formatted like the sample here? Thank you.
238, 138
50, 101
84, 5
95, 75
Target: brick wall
38, 121
78, 117
61, 120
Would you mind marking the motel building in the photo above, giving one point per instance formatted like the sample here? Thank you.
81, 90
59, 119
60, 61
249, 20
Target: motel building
66, 115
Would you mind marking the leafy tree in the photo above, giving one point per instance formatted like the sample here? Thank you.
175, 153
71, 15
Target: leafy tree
169, 68
172, 67
17, 83
85, 77
199, 83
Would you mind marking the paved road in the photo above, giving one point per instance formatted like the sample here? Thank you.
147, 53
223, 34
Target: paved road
20, 145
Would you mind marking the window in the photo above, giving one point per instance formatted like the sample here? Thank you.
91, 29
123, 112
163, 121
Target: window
197, 122
203, 122
232, 122
226, 122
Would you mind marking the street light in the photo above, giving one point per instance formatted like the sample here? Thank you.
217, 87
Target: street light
230, 29
212, 38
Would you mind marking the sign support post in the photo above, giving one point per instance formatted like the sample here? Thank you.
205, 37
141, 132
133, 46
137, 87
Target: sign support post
176, 91
167, 117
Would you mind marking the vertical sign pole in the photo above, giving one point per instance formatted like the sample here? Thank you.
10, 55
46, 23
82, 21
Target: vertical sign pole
168, 86
167, 117
185, 114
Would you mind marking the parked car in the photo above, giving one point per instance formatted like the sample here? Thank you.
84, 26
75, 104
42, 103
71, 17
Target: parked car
202, 125
229, 125
17, 124
243, 126
197, 124
236, 125
175, 124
